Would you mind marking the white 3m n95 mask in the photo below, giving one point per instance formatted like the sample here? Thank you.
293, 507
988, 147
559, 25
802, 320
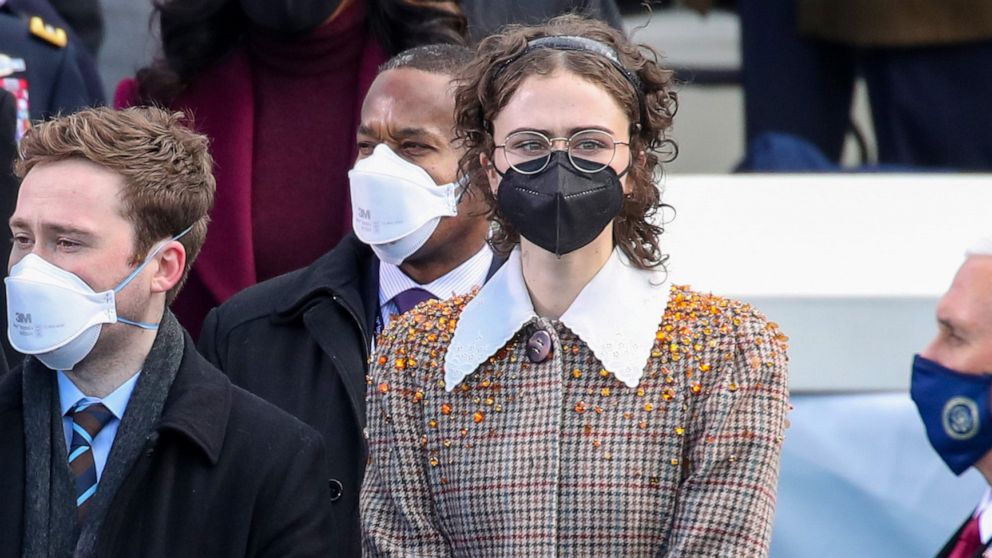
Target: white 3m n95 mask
396, 205
55, 316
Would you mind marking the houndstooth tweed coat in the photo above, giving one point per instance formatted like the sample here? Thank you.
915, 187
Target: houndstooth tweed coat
560, 457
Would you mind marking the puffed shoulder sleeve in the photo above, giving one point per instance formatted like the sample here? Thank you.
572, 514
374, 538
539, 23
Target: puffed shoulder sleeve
397, 507
734, 440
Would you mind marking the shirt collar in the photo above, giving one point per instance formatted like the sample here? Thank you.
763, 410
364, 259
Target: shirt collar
616, 314
116, 402
460, 280
984, 513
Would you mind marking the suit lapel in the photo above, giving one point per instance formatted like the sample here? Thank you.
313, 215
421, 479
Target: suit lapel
945, 552
333, 330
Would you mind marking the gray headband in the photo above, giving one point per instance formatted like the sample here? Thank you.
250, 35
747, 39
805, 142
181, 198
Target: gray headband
571, 42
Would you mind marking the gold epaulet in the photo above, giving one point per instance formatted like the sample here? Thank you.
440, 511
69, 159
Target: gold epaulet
48, 33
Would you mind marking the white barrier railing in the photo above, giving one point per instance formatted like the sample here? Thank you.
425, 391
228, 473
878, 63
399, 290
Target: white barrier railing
850, 265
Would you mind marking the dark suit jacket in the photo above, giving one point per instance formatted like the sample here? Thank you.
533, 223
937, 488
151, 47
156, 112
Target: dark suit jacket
223, 474
301, 341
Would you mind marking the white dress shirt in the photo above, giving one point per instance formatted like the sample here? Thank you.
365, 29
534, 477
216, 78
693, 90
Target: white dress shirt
984, 513
616, 314
116, 403
459, 281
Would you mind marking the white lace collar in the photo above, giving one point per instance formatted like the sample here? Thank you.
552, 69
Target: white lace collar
617, 315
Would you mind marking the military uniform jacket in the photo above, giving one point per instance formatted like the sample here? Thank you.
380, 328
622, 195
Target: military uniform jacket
60, 77
583, 452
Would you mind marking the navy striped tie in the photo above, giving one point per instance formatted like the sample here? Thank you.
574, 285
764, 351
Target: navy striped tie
87, 421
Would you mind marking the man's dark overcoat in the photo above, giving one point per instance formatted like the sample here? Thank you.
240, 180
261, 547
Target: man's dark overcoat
223, 473
301, 341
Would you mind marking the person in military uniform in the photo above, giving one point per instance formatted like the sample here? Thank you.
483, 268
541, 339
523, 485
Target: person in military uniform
83, 22
8, 199
84, 17
45, 72
43, 68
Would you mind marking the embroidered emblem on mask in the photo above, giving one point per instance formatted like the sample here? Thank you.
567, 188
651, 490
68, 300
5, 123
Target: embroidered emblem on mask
960, 418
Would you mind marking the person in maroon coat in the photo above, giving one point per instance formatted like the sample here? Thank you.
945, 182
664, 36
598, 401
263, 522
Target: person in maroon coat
277, 86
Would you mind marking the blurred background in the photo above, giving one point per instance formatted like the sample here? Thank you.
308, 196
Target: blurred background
710, 126
845, 236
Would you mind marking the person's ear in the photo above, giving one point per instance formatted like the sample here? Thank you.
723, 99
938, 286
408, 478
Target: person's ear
491, 175
638, 161
169, 266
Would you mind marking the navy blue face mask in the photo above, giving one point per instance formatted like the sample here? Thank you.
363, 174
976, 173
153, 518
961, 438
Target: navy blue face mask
955, 409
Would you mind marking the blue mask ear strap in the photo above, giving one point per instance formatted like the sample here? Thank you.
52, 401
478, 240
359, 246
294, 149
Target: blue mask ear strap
136, 271
148, 260
142, 325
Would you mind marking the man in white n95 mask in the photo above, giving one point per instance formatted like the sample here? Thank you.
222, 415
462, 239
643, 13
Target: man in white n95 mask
118, 438
303, 340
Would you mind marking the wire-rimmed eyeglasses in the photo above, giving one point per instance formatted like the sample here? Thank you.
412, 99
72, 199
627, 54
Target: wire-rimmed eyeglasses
528, 151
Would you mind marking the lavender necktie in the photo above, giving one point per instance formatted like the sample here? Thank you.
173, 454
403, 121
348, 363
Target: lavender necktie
406, 300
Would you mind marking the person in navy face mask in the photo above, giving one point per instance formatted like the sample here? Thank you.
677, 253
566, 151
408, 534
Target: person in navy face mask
952, 388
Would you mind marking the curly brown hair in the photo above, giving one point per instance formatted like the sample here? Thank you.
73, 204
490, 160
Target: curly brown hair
166, 166
501, 65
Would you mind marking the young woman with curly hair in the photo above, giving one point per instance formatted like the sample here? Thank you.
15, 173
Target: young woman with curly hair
578, 404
